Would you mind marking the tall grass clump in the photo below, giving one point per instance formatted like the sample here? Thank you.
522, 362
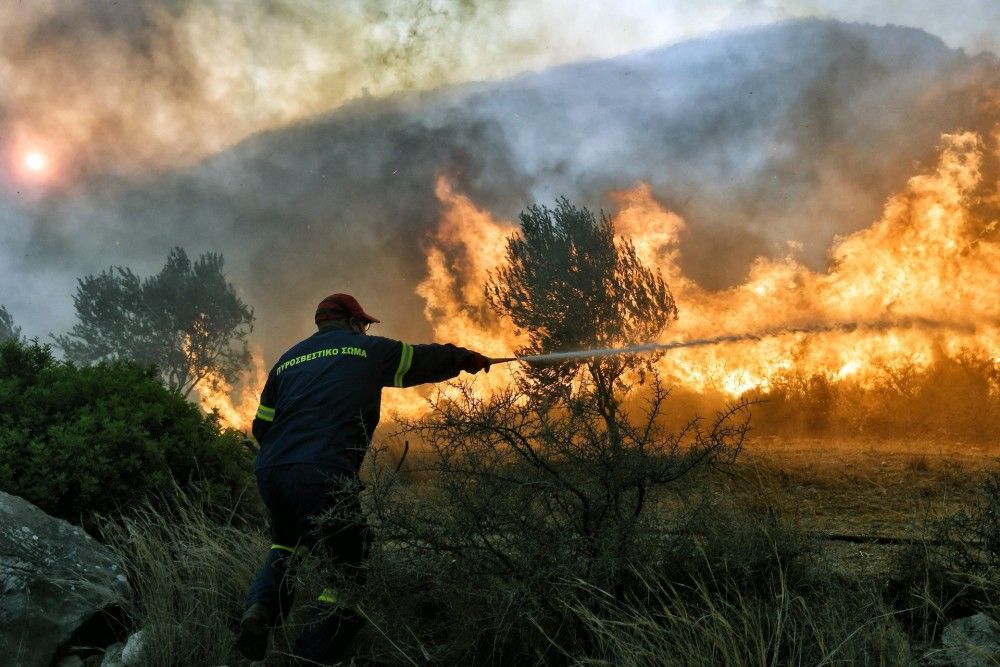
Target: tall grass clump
956, 571
190, 564
724, 587
742, 586
715, 622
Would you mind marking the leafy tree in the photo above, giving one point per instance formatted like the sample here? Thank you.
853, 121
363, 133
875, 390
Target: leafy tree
7, 328
78, 441
187, 320
571, 285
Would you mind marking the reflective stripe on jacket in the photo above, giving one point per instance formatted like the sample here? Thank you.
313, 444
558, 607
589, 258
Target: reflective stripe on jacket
321, 401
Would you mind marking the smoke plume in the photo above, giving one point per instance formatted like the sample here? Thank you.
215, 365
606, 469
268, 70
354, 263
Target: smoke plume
767, 141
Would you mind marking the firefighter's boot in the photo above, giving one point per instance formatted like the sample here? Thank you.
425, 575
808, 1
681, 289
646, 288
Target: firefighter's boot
255, 626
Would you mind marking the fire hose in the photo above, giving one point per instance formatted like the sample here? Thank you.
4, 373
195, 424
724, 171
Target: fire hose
836, 327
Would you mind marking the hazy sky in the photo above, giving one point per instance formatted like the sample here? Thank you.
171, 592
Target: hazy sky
123, 86
92, 90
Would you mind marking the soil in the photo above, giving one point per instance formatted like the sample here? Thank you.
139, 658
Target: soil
856, 489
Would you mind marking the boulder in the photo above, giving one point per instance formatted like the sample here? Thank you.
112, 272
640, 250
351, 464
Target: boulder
53, 579
973, 641
129, 654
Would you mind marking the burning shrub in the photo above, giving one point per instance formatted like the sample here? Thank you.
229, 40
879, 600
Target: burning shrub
81, 441
955, 397
570, 284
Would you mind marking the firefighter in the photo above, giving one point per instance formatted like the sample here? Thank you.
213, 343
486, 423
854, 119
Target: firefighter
317, 412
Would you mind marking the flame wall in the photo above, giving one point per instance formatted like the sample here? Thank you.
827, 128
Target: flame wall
934, 254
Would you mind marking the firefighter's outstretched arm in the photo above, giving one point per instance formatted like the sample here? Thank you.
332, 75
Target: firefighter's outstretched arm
419, 364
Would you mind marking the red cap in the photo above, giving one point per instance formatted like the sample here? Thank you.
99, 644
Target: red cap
341, 307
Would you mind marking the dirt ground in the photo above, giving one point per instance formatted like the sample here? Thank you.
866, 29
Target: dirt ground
863, 488
854, 488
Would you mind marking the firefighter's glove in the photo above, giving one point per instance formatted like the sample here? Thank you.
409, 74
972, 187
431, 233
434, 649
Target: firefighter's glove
476, 362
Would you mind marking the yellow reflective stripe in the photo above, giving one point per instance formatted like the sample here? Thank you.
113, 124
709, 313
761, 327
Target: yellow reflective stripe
405, 359
281, 547
328, 596
265, 413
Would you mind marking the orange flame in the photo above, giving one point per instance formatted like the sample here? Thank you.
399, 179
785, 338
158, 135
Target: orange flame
930, 256
468, 245
927, 256
236, 406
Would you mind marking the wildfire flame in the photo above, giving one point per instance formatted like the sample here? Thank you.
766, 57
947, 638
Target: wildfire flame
931, 255
236, 406
468, 245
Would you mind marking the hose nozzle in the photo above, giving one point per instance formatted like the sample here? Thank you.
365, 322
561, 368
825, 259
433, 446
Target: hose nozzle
504, 360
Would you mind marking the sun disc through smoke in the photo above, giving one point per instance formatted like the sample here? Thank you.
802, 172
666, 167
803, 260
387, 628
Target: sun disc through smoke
35, 162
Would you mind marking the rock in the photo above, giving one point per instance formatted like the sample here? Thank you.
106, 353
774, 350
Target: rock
975, 638
53, 578
134, 647
973, 641
70, 661
129, 654
113, 656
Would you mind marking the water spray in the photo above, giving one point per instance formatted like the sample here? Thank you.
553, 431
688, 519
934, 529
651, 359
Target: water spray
839, 327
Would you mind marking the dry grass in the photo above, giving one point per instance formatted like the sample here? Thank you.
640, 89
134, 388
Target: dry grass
865, 486
754, 587
190, 566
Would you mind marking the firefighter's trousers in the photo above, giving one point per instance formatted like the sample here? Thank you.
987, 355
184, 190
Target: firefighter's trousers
312, 509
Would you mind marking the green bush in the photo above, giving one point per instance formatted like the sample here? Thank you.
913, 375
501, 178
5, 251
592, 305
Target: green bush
81, 441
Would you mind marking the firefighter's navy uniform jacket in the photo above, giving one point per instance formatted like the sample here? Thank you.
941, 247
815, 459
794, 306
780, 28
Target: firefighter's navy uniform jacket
321, 402
316, 417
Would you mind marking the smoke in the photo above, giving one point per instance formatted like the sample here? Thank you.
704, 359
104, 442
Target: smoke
122, 87
125, 86
763, 140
